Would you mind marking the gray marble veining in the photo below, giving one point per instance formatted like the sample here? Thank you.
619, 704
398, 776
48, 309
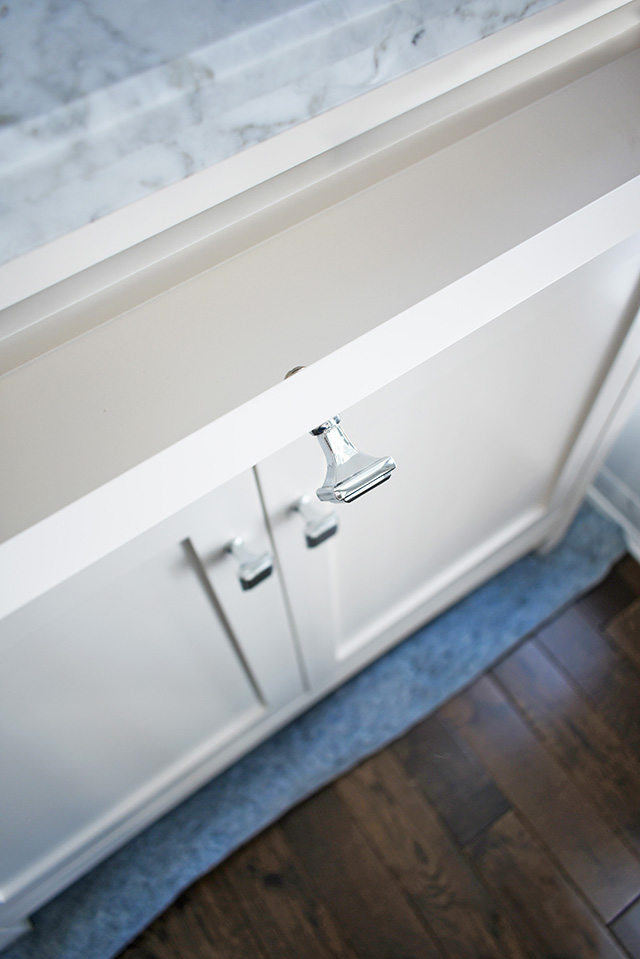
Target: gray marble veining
104, 103
54, 53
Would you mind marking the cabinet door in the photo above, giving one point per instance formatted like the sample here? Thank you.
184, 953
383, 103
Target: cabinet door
123, 686
480, 434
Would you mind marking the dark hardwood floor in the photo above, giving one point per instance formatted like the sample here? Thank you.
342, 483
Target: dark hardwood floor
505, 825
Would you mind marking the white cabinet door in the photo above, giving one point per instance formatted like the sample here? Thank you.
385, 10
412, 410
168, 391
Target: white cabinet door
123, 683
480, 434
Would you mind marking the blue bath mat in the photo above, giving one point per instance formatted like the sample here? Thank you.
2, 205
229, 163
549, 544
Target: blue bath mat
96, 917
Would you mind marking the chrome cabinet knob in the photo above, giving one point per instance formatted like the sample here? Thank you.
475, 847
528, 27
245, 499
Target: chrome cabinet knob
253, 567
350, 473
318, 525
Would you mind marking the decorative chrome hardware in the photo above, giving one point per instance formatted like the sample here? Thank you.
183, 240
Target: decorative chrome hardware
253, 567
318, 525
350, 473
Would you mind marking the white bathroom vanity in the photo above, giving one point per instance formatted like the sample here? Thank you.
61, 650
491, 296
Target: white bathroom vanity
454, 259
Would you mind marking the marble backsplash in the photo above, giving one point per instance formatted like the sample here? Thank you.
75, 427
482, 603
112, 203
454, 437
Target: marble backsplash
102, 103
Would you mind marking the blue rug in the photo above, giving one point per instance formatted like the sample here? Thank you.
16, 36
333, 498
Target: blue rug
96, 917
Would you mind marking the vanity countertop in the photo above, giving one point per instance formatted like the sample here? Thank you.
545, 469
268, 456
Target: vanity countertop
103, 104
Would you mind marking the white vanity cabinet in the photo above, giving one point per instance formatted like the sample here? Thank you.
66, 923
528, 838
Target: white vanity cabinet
481, 434
124, 688
455, 259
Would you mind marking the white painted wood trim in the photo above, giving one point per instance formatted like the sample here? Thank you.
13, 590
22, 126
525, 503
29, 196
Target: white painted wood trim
9, 934
624, 499
617, 397
611, 496
49, 552
141, 807
82, 249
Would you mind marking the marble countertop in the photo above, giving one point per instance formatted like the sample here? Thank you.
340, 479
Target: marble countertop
103, 103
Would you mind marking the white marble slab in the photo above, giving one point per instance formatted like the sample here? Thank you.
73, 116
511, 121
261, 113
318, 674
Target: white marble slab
102, 103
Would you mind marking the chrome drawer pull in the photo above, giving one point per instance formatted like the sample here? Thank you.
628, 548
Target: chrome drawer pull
350, 473
318, 525
253, 567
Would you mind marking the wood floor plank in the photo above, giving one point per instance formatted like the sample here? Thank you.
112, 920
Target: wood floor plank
359, 890
205, 922
409, 837
629, 569
600, 864
627, 930
609, 681
373, 866
284, 914
624, 632
523, 875
452, 779
573, 730
607, 600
